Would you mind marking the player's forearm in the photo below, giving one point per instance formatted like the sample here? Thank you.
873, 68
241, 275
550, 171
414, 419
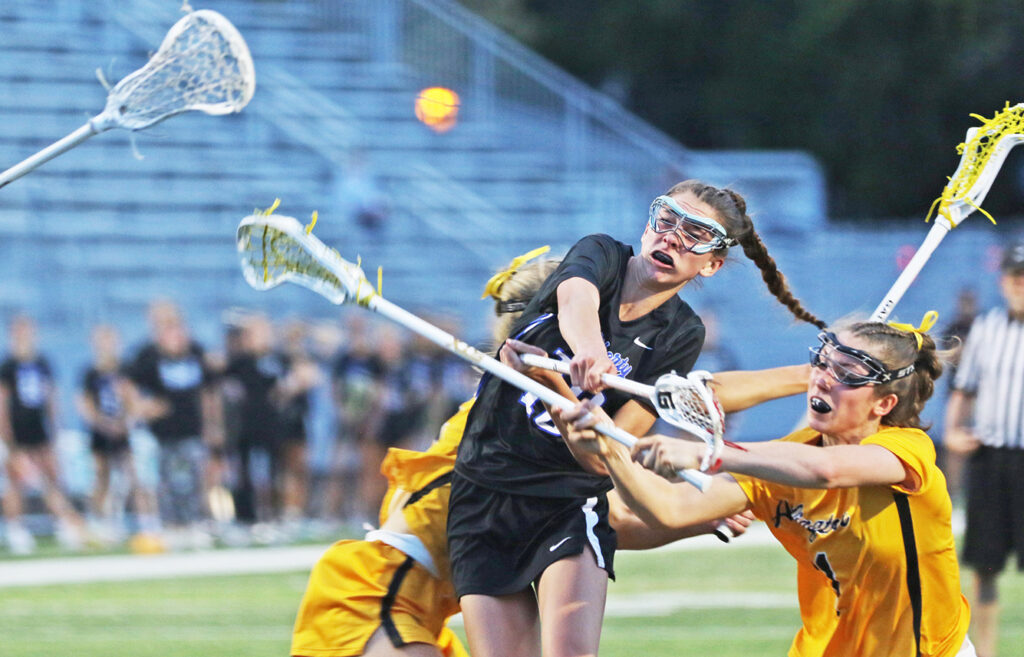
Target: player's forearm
809, 466
959, 408
634, 534
588, 461
658, 503
740, 389
578, 321
6, 429
212, 417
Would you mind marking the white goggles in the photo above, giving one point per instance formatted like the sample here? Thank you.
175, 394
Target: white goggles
698, 234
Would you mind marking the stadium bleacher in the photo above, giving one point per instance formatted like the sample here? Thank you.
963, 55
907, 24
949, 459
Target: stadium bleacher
536, 158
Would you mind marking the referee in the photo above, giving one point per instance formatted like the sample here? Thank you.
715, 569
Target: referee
985, 418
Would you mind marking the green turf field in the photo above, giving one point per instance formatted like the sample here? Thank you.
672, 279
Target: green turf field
734, 602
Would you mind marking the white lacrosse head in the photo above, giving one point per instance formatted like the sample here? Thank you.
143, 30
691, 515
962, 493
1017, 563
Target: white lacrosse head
203, 64
275, 249
688, 403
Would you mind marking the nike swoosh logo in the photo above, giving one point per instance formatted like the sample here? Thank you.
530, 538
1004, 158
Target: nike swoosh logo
637, 342
558, 544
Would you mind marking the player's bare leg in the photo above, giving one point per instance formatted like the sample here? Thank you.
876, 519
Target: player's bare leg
502, 626
572, 596
985, 614
101, 488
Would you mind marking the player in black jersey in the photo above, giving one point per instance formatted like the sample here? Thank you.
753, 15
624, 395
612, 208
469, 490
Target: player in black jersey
176, 397
524, 513
28, 425
104, 402
301, 376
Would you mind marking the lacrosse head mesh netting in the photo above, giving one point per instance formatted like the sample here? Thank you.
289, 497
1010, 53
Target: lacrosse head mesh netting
689, 404
982, 155
275, 249
203, 64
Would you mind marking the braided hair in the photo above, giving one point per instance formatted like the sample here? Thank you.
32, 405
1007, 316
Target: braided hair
732, 212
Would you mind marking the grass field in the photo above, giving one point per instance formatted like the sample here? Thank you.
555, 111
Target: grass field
731, 603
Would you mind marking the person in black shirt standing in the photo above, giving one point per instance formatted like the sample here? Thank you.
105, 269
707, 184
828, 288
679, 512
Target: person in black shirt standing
301, 376
358, 390
28, 424
179, 404
104, 403
523, 511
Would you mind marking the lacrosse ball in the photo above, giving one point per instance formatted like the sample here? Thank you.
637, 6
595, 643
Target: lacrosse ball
437, 108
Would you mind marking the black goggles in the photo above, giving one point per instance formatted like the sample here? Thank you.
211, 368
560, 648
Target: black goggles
852, 367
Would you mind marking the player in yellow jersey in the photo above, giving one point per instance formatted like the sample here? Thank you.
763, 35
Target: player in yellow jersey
855, 498
391, 593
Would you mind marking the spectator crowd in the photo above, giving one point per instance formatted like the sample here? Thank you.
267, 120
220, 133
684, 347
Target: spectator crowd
275, 435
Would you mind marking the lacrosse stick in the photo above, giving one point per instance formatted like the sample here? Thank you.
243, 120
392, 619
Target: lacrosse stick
274, 249
686, 402
203, 64
983, 152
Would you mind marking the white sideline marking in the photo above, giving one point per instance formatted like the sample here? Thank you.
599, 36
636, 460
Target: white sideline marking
113, 568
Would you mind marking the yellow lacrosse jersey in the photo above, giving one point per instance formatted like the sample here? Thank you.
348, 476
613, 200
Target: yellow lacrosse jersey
360, 586
876, 566
419, 484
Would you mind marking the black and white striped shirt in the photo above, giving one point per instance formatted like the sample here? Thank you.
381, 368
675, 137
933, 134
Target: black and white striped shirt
992, 369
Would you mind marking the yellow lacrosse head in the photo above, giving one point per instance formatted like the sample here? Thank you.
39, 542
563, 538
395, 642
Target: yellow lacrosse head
982, 154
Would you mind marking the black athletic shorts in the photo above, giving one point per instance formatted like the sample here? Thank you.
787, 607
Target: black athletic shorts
31, 439
995, 497
501, 543
107, 446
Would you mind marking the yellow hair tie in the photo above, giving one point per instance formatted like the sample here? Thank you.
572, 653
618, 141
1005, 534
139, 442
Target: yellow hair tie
493, 287
927, 322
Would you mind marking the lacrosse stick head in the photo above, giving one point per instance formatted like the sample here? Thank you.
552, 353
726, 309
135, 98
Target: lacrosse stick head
275, 249
982, 155
688, 403
203, 64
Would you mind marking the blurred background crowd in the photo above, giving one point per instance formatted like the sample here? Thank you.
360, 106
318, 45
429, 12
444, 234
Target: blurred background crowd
272, 436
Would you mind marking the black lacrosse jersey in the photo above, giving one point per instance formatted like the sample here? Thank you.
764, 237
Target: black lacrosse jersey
178, 381
259, 375
102, 388
511, 443
30, 384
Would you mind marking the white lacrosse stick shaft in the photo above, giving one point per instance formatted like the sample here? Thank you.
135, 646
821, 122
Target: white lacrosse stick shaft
126, 103
509, 375
350, 285
610, 380
958, 210
936, 234
48, 153
722, 530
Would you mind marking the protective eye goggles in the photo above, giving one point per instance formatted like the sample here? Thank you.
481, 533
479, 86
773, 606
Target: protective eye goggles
698, 234
852, 367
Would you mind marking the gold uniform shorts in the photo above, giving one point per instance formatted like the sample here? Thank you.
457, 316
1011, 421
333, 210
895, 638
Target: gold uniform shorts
359, 586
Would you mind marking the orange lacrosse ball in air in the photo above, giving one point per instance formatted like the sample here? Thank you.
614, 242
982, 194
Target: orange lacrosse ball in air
437, 108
